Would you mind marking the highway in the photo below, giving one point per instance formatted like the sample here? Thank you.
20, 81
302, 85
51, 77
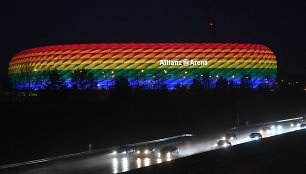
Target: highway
110, 160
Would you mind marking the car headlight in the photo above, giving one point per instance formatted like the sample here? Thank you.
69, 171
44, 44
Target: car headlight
159, 160
225, 145
168, 154
215, 145
114, 152
232, 138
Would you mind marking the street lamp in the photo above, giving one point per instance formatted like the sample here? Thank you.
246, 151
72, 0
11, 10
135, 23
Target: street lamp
107, 81
107, 77
138, 77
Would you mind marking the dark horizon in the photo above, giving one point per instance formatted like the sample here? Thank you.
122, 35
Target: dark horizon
281, 26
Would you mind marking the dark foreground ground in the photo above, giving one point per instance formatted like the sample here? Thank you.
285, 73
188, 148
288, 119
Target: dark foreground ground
45, 128
280, 154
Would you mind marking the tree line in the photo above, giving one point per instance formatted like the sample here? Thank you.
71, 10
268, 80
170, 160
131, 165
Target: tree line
84, 79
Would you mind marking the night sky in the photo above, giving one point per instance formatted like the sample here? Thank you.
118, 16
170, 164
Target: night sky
280, 25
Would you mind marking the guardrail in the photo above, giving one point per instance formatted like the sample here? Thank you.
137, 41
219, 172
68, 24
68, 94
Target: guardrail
161, 140
47, 159
267, 123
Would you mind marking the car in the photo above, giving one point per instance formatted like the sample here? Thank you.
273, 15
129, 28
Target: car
255, 136
223, 143
168, 151
295, 123
303, 125
277, 126
230, 136
265, 130
145, 150
124, 150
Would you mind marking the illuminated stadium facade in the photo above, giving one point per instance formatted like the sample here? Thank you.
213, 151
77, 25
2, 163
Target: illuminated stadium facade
146, 64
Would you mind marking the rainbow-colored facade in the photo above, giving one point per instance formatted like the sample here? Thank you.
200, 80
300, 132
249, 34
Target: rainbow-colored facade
140, 63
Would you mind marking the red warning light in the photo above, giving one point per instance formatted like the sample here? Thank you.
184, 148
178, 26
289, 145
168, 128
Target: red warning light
210, 23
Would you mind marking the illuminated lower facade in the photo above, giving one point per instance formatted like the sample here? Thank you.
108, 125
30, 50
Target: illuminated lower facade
146, 64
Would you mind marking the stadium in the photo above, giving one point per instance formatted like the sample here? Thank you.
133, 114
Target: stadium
146, 64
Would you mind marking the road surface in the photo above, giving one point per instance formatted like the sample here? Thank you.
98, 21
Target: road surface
105, 161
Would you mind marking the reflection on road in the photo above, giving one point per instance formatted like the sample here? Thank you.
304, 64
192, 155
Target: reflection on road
122, 164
